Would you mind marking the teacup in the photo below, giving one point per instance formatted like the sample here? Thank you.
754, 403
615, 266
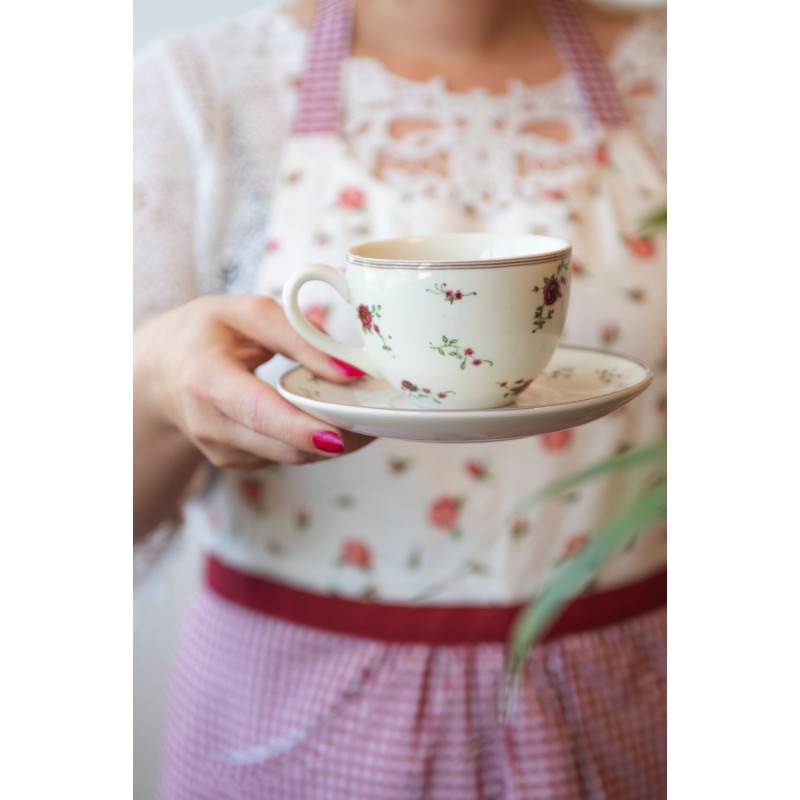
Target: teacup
456, 321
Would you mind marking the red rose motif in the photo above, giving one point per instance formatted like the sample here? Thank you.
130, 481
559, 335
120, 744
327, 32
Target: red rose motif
477, 469
601, 155
252, 492
557, 440
352, 197
609, 332
408, 386
554, 194
551, 292
577, 267
444, 512
365, 316
575, 545
356, 553
641, 246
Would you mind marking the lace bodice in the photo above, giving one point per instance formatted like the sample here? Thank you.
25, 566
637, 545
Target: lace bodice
225, 97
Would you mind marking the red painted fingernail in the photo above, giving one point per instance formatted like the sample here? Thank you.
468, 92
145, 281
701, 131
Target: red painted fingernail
328, 442
347, 369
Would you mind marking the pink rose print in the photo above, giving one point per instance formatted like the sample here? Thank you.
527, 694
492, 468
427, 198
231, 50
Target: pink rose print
641, 246
251, 491
352, 197
520, 527
574, 545
558, 440
356, 553
477, 470
577, 268
609, 332
601, 155
554, 194
273, 245
444, 514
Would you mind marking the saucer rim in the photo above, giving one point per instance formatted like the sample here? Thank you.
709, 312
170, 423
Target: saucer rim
637, 387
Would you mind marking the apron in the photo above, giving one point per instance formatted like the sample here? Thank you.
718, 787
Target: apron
397, 518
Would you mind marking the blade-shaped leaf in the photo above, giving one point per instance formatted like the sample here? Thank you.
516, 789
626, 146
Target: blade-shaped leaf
571, 578
630, 458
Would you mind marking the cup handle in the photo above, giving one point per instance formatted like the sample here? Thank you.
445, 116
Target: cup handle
344, 352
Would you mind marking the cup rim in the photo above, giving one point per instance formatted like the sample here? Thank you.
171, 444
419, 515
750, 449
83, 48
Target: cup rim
355, 254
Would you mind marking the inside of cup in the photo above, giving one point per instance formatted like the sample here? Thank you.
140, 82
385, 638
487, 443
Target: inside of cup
457, 249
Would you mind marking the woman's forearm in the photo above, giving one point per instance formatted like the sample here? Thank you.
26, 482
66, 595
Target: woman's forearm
164, 460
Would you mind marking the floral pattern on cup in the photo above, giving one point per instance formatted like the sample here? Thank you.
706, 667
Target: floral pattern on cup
552, 292
451, 347
367, 315
515, 388
423, 393
450, 295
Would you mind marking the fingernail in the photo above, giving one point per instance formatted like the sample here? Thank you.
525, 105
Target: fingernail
347, 369
328, 442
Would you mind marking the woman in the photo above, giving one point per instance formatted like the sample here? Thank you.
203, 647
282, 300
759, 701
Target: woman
307, 668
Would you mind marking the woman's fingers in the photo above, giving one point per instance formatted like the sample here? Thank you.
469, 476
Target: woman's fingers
262, 321
259, 415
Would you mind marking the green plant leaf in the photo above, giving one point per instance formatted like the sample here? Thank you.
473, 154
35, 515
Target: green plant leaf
634, 457
571, 577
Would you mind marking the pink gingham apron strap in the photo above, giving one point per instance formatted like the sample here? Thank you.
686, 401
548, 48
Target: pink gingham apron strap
584, 61
329, 44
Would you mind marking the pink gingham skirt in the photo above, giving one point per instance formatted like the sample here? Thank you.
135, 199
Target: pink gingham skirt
261, 707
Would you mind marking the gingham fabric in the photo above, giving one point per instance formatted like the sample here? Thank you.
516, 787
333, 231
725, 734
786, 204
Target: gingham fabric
585, 62
265, 709
318, 107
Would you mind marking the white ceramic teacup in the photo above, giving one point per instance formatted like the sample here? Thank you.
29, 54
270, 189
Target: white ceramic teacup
463, 320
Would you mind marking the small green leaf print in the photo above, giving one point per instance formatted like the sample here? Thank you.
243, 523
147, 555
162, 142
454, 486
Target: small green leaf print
345, 501
301, 519
513, 388
466, 355
450, 295
397, 466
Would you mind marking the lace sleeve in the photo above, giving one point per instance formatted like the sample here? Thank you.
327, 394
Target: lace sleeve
170, 136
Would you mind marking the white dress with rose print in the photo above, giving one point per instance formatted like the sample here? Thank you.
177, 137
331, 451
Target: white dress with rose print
227, 200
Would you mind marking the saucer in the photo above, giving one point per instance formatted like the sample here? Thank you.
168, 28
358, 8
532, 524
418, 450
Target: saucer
579, 385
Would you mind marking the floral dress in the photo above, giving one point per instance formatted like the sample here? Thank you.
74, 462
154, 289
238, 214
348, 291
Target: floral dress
265, 707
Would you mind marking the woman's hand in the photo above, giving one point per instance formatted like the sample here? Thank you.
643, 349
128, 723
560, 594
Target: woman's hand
195, 395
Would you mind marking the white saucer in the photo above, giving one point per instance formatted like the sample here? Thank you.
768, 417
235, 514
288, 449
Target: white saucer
578, 386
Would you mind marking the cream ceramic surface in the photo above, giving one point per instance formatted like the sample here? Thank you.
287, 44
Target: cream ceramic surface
578, 386
451, 321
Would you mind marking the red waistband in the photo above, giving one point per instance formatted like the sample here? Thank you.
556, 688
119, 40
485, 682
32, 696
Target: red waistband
434, 624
